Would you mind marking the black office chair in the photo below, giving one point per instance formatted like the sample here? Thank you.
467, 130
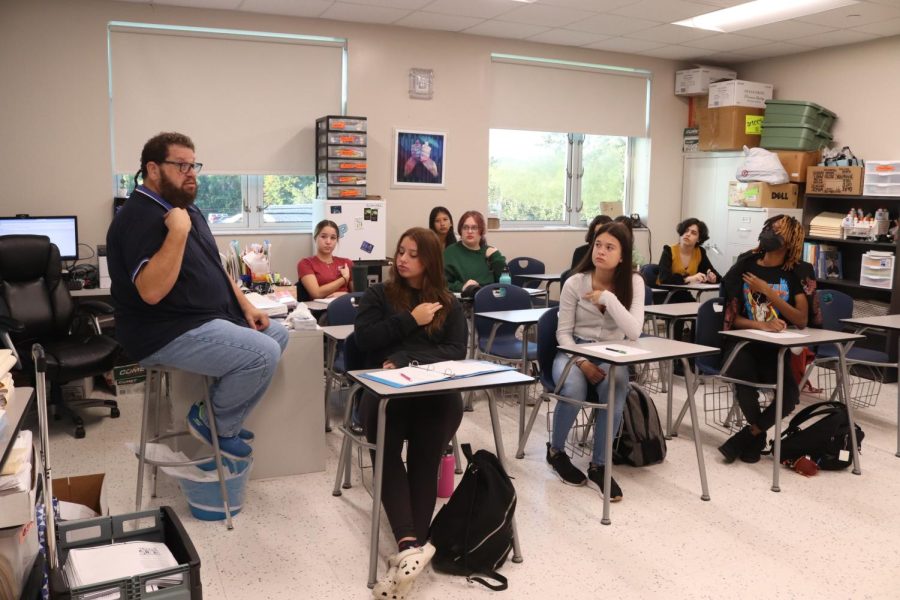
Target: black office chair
35, 306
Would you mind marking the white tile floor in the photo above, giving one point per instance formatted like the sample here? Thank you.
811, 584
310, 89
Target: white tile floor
832, 536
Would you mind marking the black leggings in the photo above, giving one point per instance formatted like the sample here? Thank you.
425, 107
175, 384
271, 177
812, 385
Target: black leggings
759, 362
428, 424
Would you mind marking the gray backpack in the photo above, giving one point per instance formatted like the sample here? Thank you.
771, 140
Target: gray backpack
641, 441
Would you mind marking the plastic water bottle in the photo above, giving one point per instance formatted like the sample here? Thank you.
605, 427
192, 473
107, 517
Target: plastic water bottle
445, 474
505, 277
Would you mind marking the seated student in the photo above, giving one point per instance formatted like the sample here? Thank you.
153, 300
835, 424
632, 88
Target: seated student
440, 221
763, 291
325, 275
471, 262
686, 261
603, 301
592, 230
412, 317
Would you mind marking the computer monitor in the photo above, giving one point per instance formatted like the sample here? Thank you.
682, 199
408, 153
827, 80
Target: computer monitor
62, 231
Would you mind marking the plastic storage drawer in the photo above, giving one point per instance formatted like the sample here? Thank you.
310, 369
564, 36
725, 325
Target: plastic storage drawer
789, 112
165, 527
337, 192
343, 178
332, 165
340, 137
342, 151
795, 136
880, 189
882, 178
338, 123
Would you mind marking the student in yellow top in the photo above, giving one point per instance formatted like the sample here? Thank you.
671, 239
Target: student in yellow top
686, 262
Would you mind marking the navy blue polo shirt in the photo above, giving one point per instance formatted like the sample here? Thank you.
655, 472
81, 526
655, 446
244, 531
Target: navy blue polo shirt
201, 293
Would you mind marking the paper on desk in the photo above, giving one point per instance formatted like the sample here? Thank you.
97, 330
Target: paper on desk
616, 350
780, 335
269, 306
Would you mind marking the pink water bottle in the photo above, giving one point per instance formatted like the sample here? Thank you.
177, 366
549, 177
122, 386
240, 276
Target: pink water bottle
445, 475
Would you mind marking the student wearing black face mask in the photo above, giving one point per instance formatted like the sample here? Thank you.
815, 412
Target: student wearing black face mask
763, 290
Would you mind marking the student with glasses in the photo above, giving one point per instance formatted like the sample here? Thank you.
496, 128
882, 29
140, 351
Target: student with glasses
175, 304
471, 262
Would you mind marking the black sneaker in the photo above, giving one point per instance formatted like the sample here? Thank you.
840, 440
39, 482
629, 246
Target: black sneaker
736, 444
753, 450
564, 469
595, 475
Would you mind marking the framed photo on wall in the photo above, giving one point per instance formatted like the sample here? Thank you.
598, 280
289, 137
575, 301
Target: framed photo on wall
419, 159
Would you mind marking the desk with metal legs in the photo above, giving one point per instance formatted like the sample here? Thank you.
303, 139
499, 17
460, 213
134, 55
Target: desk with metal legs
672, 314
890, 323
807, 337
695, 288
654, 349
547, 279
526, 317
334, 334
387, 393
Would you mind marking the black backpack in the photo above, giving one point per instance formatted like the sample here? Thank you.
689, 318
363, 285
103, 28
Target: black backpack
822, 440
641, 441
472, 533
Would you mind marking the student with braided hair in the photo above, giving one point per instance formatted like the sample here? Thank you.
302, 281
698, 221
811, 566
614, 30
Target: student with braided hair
763, 290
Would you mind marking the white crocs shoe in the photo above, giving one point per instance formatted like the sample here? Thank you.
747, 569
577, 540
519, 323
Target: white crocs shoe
411, 562
385, 587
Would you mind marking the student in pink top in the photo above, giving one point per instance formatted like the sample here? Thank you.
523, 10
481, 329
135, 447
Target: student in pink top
325, 275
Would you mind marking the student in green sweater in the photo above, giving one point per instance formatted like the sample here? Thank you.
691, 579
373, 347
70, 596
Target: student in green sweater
470, 261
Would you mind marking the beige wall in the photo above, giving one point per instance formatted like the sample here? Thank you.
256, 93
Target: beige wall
55, 150
857, 82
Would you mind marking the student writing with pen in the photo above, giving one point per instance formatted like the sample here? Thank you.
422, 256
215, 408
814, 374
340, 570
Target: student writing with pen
602, 302
763, 291
409, 320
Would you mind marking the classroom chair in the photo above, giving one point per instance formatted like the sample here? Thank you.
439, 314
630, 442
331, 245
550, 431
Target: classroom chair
650, 272
341, 311
499, 343
522, 266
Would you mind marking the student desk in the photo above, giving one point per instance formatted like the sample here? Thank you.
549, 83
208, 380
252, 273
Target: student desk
526, 318
657, 349
672, 314
547, 279
890, 323
334, 334
699, 288
811, 337
387, 393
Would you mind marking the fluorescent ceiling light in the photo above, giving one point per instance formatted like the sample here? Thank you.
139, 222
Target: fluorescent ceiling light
760, 12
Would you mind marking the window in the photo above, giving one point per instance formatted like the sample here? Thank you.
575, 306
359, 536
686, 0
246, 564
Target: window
548, 178
252, 202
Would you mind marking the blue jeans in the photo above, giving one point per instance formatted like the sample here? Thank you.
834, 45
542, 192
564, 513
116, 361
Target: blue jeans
576, 386
241, 360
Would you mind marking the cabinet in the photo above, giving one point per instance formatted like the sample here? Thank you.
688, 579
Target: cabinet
743, 227
705, 178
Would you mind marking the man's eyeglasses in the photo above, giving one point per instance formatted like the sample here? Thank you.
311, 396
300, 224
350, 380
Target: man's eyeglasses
470, 228
184, 167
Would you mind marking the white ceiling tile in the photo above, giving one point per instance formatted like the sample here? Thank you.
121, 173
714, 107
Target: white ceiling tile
345, 11
407, 4
674, 52
566, 37
885, 28
594, 5
612, 25
424, 20
853, 15
620, 44
722, 3
220, 4
293, 8
774, 49
667, 11
484, 9
894, 3
502, 29
835, 38
672, 34
725, 42
551, 16
785, 30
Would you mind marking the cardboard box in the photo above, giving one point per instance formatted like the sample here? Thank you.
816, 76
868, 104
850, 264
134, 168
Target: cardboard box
739, 93
87, 490
493, 223
17, 508
729, 128
840, 181
796, 163
126, 374
695, 82
756, 194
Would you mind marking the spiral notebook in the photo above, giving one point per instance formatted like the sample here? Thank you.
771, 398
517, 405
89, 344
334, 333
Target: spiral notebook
416, 374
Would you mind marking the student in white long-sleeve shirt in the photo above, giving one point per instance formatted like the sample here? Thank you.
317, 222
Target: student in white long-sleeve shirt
603, 301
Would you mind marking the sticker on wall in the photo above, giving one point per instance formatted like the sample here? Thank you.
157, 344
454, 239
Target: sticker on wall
367, 247
358, 222
336, 210
342, 229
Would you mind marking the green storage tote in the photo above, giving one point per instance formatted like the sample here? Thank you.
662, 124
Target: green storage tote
793, 136
788, 112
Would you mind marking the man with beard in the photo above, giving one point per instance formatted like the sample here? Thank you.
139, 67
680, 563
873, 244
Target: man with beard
175, 304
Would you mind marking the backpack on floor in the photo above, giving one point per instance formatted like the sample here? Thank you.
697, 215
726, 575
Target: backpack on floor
825, 437
641, 441
472, 533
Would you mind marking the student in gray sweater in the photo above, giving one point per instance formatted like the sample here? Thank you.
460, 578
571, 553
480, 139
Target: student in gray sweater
603, 301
